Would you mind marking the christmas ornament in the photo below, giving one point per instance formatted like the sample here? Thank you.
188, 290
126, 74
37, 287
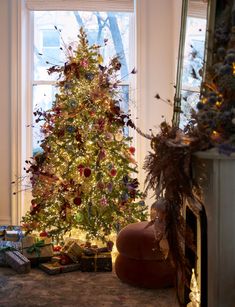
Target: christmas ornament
71, 129
73, 103
89, 76
103, 201
118, 136
43, 234
84, 63
113, 172
87, 172
110, 186
132, 150
77, 201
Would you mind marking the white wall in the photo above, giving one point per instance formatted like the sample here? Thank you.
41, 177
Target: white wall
157, 49
158, 31
5, 124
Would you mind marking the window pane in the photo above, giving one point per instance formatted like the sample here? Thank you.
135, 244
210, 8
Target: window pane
124, 103
54, 31
188, 102
51, 38
194, 52
43, 96
111, 26
192, 66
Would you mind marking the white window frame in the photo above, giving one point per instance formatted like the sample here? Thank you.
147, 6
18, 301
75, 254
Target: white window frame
22, 82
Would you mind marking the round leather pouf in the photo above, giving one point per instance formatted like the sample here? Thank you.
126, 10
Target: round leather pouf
138, 263
144, 273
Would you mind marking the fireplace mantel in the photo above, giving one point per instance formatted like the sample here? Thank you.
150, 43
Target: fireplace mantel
215, 173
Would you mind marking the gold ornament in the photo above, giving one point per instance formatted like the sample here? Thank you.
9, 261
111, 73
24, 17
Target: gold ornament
118, 136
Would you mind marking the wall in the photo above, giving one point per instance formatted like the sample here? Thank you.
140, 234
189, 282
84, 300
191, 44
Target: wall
157, 32
5, 124
157, 50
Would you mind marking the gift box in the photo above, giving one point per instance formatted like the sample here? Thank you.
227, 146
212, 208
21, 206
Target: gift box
13, 233
36, 249
96, 263
73, 250
17, 261
7, 246
57, 268
2, 232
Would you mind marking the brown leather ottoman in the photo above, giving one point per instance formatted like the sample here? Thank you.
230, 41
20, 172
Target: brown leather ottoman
138, 262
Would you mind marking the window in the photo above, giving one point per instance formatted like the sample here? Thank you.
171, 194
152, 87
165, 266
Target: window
53, 30
193, 58
40, 47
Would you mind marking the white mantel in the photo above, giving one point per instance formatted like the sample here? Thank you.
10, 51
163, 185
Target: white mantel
216, 175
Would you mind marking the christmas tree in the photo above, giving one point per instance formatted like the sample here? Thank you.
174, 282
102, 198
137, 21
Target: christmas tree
83, 176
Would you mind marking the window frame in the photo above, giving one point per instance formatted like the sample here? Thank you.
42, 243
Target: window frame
23, 81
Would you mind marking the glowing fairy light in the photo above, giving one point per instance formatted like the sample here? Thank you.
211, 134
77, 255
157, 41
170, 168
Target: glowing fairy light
204, 100
215, 136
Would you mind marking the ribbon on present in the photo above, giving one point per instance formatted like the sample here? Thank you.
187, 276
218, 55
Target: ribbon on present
95, 264
36, 247
96, 257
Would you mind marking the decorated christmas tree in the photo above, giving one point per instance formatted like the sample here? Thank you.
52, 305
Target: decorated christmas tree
83, 178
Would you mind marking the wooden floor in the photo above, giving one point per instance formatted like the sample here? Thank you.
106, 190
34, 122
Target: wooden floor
77, 289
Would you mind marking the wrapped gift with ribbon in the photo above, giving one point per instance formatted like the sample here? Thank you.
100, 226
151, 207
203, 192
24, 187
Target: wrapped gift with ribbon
13, 233
96, 263
17, 261
73, 250
56, 268
37, 249
7, 246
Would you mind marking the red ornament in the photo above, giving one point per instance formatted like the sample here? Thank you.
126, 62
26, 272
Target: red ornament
87, 172
43, 234
113, 172
64, 259
77, 201
56, 248
132, 150
81, 168
33, 203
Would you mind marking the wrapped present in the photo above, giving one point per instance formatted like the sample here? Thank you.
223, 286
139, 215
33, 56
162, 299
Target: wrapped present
7, 246
37, 249
2, 232
73, 250
89, 251
13, 233
55, 259
96, 263
17, 261
56, 268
